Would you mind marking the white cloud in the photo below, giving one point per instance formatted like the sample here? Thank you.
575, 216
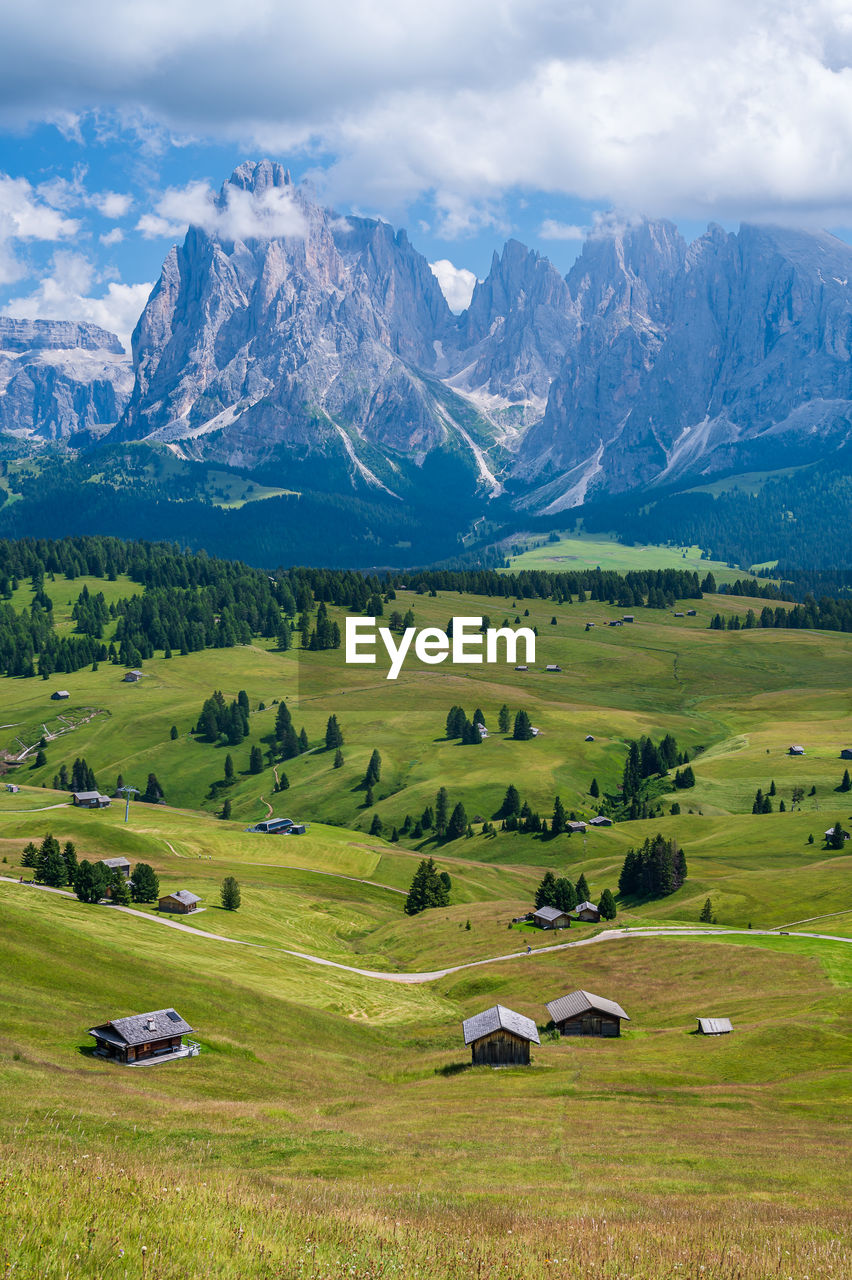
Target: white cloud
64, 193
550, 229
714, 108
112, 237
111, 204
457, 283
244, 215
64, 294
25, 217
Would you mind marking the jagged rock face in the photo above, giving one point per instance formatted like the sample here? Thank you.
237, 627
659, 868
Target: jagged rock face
514, 336
732, 354
312, 341
58, 378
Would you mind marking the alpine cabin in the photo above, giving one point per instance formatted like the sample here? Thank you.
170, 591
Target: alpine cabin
499, 1037
582, 1014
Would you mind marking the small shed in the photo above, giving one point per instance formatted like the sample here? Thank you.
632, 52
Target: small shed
522, 668
579, 1013
59, 695
130, 677
830, 832
846, 753
553, 666
678, 615
181, 902
589, 738
587, 911
714, 1026
575, 828
628, 617
552, 918
692, 613
796, 750
144, 1037
13, 787
499, 1037
297, 829
90, 800
117, 864
600, 821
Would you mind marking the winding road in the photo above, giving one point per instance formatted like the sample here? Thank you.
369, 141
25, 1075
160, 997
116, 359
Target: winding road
607, 935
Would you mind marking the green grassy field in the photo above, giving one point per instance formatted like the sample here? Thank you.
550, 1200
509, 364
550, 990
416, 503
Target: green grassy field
583, 550
332, 1124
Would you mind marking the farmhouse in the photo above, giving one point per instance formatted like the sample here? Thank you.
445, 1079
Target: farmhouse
144, 1037
795, 750
552, 918
117, 864
90, 800
499, 1037
582, 1014
130, 677
181, 902
60, 694
714, 1026
600, 821
587, 911
574, 827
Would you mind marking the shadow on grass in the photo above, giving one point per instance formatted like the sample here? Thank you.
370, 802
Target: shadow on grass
453, 1069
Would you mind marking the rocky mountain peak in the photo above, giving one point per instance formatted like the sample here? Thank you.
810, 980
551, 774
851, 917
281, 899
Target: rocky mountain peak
258, 176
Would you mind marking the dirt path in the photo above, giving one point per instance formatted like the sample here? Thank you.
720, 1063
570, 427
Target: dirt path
608, 935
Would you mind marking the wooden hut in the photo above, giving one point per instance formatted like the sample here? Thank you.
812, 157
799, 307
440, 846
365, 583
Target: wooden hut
500, 1038
117, 864
90, 800
552, 918
714, 1026
582, 1014
144, 1037
587, 911
181, 901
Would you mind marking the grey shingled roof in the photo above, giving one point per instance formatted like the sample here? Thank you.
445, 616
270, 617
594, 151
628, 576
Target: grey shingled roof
550, 913
586, 906
496, 1019
184, 896
115, 862
89, 795
583, 1002
136, 1029
715, 1026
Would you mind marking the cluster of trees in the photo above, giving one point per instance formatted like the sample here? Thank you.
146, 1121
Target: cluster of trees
650, 588
372, 775
59, 866
224, 723
559, 892
655, 870
458, 725
325, 634
825, 614
429, 888
51, 864
81, 778
91, 613
684, 778
288, 743
837, 837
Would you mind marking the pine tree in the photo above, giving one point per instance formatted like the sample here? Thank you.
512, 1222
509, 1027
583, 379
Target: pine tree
29, 857
91, 881
51, 869
558, 823
479, 717
707, 916
772, 788
173, 732
582, 889
69, 857
442, 806
565, 895
226, 810
304, 744
594, 789
846, 781
255, 760
836, 837
283, 781
229, 894
119, 889
606, 906
545, 894
427, 889
41, 759
333, 735
457, 825
522, 731
153, 792
376, 826
511, 802
145, 885
229, 768
338, 759
503, 719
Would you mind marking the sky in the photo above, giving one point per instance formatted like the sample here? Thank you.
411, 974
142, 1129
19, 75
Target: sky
464, 121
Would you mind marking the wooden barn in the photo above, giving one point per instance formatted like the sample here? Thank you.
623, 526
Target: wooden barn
552, 918
181, 901
500, 1038
90, 800
600, 821
587, 911
846, 753
582, 1014
144, 1037
714, 1026
117, 864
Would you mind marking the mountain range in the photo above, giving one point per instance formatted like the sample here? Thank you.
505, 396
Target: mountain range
328, 359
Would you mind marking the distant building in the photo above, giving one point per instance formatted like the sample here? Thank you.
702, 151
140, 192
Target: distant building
587, 911
846, 753
59, 694
499, 1037
600, 821
182, 902
130, 677
13, 787
692, 613
144, 1037
117, 864
534, 731
90, 800
589, 738
575, 827
830, 832
522, 668
714, 1026
273, 826
678, 615
552, 666
628, 617
795, 750
552, 918
579, 1013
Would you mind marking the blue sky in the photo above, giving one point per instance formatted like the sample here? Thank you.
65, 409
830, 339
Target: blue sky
466, 123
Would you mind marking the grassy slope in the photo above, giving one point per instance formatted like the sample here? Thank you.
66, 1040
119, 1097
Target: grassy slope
340, 1095
590, 550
